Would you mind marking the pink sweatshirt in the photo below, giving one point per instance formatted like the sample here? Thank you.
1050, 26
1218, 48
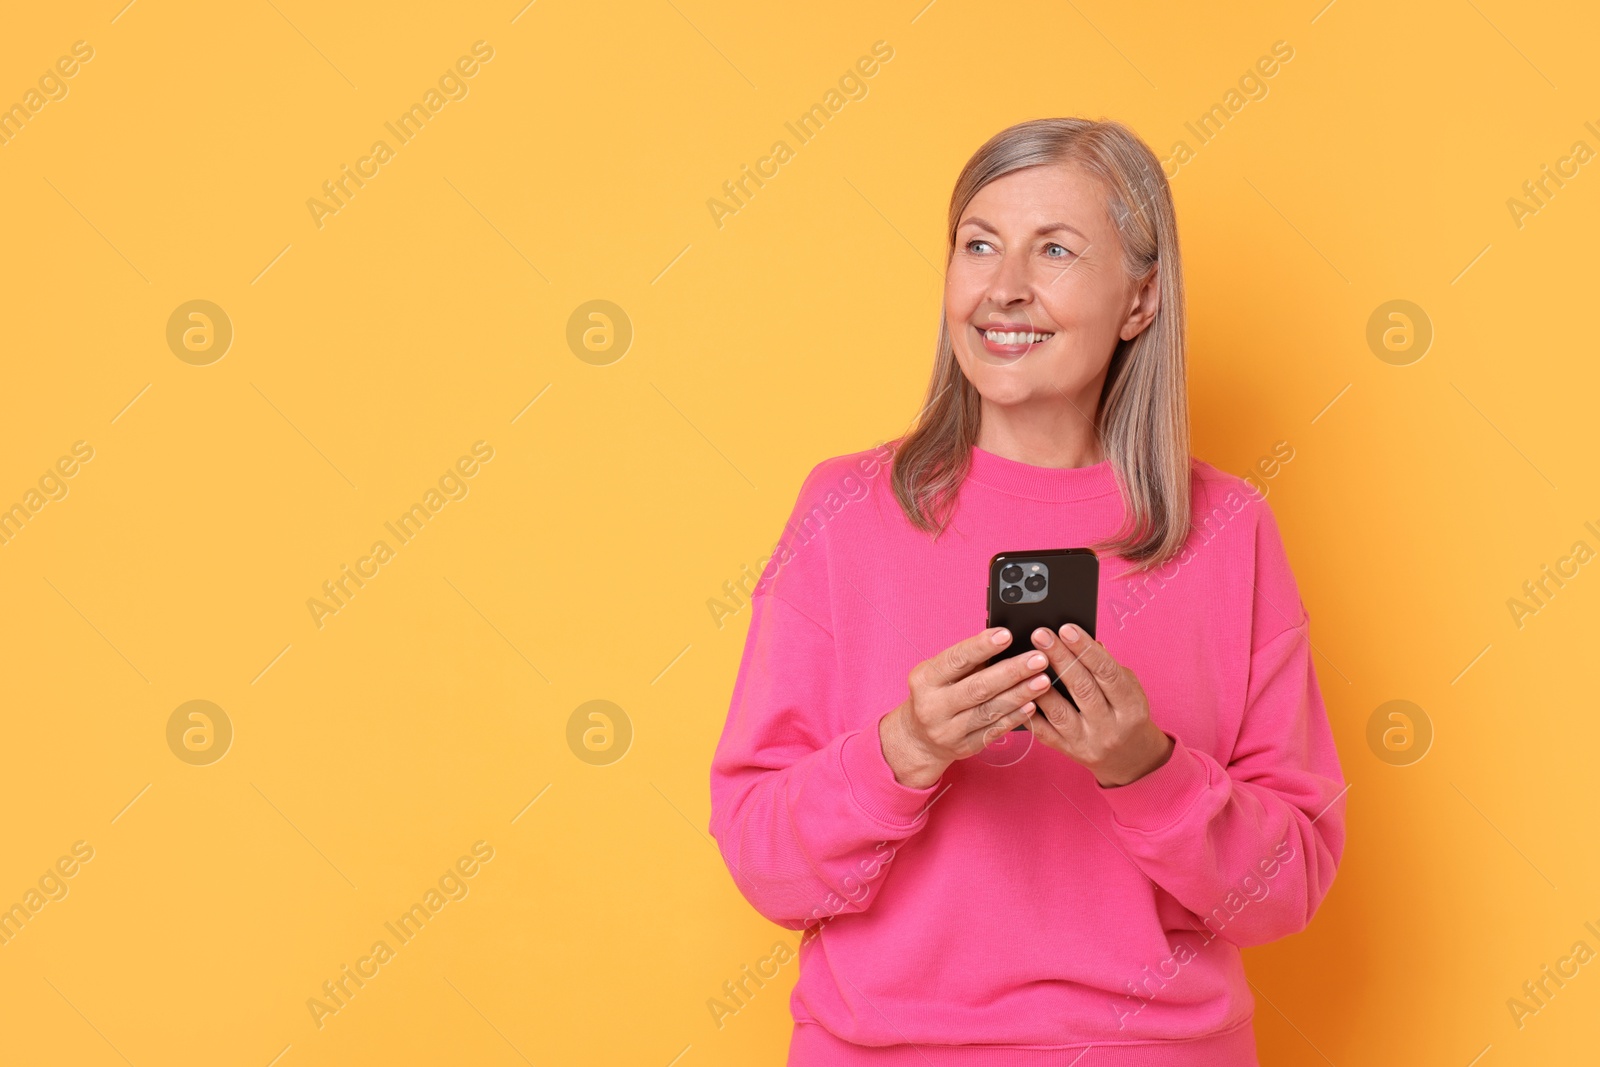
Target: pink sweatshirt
1016, 912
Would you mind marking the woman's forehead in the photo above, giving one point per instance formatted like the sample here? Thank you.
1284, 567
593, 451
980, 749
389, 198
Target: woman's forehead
1038, 196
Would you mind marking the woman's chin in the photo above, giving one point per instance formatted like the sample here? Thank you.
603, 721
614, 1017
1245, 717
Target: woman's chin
1012, 394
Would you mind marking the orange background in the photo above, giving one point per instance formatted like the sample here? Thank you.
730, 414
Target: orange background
432, 710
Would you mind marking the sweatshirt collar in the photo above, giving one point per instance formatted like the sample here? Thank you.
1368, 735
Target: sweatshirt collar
1041, 483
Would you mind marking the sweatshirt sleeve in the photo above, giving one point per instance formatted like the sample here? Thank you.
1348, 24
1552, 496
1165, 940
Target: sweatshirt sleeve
1251, 847
807, 813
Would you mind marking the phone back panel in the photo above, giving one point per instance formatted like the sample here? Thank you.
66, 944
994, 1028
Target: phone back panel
1071, 594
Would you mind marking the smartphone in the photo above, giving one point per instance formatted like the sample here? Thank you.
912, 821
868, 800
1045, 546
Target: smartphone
1050, 588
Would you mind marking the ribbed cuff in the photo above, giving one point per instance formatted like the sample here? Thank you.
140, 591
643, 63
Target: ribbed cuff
872, 784
1163, 796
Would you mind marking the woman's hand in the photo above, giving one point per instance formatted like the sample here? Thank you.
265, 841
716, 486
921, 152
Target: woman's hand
956, 709
1110, 731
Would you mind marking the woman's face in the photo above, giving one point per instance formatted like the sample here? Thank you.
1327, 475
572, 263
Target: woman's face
1035, 296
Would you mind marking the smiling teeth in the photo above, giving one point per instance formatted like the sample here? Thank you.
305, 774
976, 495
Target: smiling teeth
1000, 337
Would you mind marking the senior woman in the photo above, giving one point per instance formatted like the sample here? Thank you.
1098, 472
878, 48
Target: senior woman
971, 895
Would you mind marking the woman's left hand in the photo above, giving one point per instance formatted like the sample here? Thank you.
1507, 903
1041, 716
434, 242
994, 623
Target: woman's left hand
1110, 732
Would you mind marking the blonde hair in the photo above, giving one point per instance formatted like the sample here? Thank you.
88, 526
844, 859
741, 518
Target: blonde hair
1142, 420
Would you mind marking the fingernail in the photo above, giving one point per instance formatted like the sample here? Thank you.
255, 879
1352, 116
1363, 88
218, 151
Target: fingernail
1044, 637
1071, 634
1028, 707
1000, 636
1037, 660
1038, 682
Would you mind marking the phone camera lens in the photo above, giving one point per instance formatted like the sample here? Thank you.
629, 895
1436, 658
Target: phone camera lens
1011, 573
1011, 594
1034, 583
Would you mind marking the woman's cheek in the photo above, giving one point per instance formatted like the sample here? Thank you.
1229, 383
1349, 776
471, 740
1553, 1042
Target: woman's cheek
964, 286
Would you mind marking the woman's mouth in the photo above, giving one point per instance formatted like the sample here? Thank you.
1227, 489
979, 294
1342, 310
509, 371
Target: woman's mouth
1012, 341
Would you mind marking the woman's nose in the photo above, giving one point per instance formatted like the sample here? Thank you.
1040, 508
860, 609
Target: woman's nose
1012, 281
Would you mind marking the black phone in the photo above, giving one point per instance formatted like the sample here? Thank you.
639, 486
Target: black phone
1048, 588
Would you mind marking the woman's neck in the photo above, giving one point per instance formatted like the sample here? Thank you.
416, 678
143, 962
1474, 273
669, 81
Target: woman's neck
1058, 436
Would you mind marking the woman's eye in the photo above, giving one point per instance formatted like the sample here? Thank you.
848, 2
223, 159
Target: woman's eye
1055, 251
977, 244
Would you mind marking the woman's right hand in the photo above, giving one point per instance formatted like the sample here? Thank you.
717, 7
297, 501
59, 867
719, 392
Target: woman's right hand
955, 709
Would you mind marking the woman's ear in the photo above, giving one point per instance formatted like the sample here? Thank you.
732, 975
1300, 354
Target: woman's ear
1146, 302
